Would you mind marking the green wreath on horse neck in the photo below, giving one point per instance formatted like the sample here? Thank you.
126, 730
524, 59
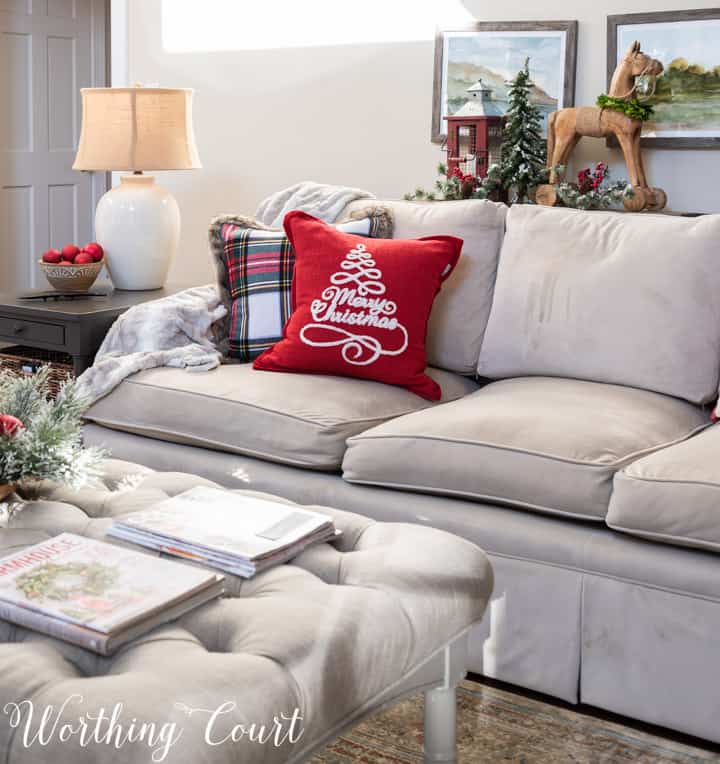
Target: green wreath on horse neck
633, 108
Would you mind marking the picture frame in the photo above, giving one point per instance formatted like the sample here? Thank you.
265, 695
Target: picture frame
498, 50
687, 103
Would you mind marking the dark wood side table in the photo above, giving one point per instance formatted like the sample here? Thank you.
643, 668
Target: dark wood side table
74, 326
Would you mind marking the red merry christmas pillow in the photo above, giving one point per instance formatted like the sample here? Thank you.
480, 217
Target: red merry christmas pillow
361, 307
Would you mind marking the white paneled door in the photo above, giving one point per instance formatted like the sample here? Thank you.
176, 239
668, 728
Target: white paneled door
49, 49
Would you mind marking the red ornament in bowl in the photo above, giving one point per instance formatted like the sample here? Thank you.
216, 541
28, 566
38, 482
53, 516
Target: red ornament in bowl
51, 256
69, 252
95, 250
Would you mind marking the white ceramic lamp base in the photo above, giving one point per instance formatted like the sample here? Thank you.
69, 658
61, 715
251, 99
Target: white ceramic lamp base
138, 225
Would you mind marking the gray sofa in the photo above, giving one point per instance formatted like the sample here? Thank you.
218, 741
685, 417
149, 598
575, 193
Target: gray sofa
579, 357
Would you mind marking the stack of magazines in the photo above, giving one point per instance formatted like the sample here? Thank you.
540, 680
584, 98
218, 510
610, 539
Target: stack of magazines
239, 534
97, 595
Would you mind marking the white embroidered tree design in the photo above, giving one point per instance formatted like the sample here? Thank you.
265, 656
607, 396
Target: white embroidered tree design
354, 298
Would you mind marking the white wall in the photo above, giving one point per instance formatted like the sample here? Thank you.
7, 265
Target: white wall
356, 115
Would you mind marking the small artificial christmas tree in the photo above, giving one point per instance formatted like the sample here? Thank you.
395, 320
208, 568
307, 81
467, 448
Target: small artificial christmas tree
522, 164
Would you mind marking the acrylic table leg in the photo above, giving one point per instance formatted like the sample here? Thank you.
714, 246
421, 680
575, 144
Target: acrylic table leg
441, 726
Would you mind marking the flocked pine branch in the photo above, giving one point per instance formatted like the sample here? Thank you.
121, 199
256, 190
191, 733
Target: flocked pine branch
48, 445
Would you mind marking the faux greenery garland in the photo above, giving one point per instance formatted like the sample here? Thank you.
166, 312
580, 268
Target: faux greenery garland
633, 109
456, 185
594, 190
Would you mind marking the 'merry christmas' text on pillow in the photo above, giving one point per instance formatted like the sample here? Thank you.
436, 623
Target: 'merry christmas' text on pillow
361, 307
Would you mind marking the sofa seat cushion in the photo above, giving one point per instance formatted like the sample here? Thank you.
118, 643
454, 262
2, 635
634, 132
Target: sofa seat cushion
295, 419
672, 495
550, 445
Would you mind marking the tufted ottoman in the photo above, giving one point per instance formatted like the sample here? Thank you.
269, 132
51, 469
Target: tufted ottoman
269, 673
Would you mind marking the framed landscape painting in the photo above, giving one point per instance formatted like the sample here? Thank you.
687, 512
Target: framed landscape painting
495, 53
687, 94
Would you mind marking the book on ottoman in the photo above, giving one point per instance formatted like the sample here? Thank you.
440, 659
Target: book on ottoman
97, 595
239, 534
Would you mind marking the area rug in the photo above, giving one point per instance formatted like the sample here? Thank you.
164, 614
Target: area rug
495, 725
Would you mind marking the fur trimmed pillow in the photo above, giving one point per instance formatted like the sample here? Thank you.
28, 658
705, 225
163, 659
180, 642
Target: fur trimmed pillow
254, 266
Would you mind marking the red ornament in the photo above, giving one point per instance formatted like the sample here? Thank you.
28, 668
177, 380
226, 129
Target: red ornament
51, 256
9, 425
69, 251
83, 258
95, 250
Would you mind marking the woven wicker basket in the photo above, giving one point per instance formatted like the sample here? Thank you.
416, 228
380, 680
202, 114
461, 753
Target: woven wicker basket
26, 361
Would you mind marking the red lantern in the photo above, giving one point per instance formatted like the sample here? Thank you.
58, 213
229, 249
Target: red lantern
474, 134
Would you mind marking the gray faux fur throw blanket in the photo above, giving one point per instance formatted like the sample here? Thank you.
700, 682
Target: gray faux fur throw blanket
319, 199
171, 331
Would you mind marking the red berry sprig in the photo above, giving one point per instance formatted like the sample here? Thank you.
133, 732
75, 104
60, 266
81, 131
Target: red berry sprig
591, 180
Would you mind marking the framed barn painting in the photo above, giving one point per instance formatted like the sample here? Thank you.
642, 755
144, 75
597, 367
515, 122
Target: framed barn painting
686, 98
495, 53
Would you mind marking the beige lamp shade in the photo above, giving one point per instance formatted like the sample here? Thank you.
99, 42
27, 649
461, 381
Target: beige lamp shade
137, 129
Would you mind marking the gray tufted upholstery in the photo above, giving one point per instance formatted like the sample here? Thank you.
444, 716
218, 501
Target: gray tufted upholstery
328, 634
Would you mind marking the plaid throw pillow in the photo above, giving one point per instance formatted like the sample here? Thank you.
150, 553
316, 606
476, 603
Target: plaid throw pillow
260, 270
255, 270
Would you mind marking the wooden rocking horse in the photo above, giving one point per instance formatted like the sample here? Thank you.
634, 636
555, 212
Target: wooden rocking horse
567, 126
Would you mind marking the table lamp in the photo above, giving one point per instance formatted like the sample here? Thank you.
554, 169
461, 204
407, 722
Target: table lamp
138, 222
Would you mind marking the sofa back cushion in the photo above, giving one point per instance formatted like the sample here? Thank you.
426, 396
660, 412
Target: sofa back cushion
460, 312
619, 298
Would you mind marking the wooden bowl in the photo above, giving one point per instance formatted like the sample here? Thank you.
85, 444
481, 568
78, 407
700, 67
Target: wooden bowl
72, 278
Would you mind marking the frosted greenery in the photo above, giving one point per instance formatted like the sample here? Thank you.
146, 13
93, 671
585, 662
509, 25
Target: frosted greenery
597, 199
594, 189
50, 444
522, 164
455, 185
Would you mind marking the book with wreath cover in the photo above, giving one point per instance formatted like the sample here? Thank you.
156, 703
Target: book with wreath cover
97, 595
